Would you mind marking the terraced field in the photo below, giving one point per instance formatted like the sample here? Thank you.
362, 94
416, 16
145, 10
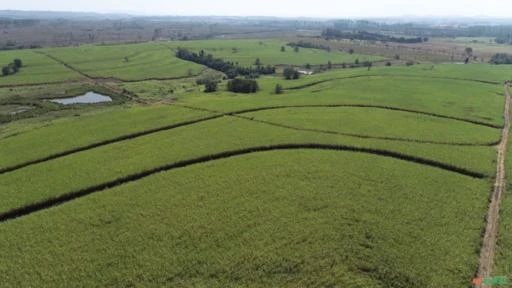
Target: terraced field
350, 178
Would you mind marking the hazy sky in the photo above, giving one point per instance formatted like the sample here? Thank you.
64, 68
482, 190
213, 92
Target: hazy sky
315, 8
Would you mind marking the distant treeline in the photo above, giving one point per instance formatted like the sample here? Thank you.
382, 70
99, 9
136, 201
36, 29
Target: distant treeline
501, 58
10, 45
17, 23
333, 33
305, 44
507, 40
229, 68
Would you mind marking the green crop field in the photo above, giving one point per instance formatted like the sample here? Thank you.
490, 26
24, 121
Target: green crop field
283, 219
245, 52
126, 62
36, 68
349, 178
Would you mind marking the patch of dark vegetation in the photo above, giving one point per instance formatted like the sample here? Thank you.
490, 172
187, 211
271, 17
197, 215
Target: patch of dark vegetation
501, 58
12, 68
333, 33
290, 73
49, 203
231, 69
310, 45
242, 85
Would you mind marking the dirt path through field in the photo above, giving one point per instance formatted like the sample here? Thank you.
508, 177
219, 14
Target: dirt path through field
489, 242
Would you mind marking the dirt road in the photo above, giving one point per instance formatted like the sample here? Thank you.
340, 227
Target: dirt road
489, 242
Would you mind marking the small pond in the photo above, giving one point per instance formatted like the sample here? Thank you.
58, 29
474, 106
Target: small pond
87, 98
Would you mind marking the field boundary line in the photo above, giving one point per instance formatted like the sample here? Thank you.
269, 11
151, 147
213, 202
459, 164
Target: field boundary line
219, 114
49, 203
115, 79
307, 85
487, 250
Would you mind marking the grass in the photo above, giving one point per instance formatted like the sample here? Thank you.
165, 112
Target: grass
261, 220
245, 52
126, 62
107, 163
36, 69
380, 123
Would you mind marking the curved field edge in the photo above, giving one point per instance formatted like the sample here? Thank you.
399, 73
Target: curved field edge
219, 114
374, 123
89, 130
32, 208
260, 220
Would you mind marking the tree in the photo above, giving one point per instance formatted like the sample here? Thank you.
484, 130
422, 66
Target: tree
388, 63
397, 57
6, 71
278, 89
368, 64
288, 73
243, 86
329, 65
18, 63
257, 62
308, 66
210, 86
296, 49
296, 75
356, 62
469, 51
283, 49
350, 51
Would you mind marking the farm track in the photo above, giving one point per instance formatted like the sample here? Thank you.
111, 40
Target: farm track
237, 114
49, 203
487, 249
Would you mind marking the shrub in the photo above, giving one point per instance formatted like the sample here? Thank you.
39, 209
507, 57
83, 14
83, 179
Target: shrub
278, 89
290, 73
243, 86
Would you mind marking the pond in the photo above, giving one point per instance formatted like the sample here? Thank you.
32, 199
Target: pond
87, 98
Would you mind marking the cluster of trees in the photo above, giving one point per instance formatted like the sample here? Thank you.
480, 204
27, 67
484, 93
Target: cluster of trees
305, 44
291, 73
12, 68
238, 85
507, 40
501, 58
333, 33
229, 68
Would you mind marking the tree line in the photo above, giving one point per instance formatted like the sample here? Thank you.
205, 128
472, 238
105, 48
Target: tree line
501, 58
333, 33
305, 44
12, 68
231, 69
